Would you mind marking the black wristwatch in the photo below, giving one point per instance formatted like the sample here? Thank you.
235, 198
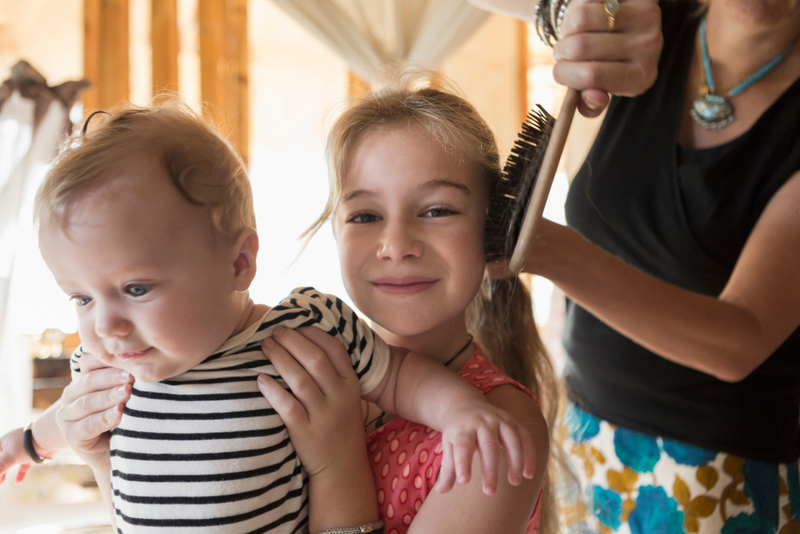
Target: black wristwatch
27, 440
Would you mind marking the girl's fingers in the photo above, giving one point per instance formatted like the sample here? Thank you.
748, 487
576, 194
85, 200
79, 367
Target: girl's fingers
489, 448
290, 410
304, 387
463, 451
529, 451
515, 454
447, 472
310, 355
333, 348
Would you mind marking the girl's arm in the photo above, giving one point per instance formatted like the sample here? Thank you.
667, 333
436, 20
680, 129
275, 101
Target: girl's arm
324, 420
466, 509
726, 336
420, 390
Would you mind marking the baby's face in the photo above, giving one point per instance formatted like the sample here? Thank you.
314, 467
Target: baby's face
152, 284
410, 232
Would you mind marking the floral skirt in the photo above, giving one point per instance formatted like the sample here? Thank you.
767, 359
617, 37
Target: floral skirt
639, 484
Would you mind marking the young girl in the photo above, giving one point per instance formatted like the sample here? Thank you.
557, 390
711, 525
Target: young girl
411, 172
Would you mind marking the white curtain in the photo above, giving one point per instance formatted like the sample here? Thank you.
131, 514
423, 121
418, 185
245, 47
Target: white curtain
371, 33
32, 118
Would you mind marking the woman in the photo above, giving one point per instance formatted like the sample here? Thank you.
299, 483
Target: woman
681, 267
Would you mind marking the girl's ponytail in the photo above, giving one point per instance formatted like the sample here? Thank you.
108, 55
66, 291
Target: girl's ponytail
501, 319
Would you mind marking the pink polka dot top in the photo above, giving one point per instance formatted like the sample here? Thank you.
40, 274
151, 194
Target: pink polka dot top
406, 457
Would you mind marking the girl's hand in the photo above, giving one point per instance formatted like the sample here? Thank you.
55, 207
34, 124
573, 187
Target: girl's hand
597, 62
323, 418
91, 407
323, 410
12, 452
493, 432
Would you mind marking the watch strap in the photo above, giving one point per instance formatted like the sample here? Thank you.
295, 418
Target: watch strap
27, 440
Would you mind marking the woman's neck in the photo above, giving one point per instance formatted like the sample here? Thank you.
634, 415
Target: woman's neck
439, 343
742, 37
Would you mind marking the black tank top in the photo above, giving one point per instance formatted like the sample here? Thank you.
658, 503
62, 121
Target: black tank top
682, 215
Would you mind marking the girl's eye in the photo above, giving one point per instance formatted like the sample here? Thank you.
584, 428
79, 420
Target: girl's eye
81, 300
362, 218
137, 290
438, 211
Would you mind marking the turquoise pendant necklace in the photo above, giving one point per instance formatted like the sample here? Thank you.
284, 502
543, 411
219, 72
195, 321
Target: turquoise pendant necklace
712, 110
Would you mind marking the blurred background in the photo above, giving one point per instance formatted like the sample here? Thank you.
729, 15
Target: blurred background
269, 72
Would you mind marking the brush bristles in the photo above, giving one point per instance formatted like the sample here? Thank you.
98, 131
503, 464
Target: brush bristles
511, 194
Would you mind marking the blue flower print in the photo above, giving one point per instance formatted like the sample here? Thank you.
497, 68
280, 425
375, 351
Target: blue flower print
793, 481
655, 513
761, 485
687, 454
581, 425
638, 451
746, 524
607, 507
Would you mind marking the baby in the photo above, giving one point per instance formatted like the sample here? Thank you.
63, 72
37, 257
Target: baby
147, 223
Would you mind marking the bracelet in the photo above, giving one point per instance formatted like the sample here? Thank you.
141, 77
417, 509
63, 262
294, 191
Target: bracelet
27, 441
374, 528
562, 12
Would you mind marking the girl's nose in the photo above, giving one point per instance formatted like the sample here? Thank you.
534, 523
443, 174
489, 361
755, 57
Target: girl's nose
400, 240
109, 322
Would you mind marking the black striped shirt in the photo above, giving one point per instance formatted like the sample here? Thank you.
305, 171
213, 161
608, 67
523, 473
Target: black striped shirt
205, 452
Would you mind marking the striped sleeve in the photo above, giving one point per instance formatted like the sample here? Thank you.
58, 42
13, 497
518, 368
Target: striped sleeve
369, 354
75, 362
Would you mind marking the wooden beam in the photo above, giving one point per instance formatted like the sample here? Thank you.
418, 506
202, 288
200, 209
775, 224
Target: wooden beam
524, 56
106, 63
164, 41
224, 69
357, 87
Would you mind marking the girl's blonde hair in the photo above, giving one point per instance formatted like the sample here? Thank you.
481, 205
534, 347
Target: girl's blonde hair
199, 161
501, 315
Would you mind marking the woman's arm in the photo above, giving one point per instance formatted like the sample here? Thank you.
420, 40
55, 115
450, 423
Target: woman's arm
727, 336
466, 509
91, 406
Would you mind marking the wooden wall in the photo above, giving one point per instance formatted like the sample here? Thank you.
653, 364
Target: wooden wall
223, 58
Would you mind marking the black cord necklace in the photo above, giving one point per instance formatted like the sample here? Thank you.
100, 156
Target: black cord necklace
379, 420
467, 344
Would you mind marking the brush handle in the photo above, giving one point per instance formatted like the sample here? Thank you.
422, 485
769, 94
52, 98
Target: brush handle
533, 215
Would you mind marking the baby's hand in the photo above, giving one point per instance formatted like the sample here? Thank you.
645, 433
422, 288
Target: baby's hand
12, 452
490, 429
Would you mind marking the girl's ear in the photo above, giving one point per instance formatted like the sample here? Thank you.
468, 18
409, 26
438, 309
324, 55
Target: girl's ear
243, 253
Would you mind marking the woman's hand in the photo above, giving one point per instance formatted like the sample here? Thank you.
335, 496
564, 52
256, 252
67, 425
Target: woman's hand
90, 407
597, 62
323, 416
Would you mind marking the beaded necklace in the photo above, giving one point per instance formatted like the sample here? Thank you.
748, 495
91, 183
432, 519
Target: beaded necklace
712, 110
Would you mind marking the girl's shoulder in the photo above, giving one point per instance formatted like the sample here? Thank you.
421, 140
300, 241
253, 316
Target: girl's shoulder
485, 376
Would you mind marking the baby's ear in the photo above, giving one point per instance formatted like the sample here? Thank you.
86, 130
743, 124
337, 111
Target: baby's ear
243, 253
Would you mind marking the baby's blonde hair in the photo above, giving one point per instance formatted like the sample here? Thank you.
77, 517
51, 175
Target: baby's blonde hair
501, 315
199, 161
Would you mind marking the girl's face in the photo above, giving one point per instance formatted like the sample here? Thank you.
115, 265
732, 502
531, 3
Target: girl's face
409, 227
